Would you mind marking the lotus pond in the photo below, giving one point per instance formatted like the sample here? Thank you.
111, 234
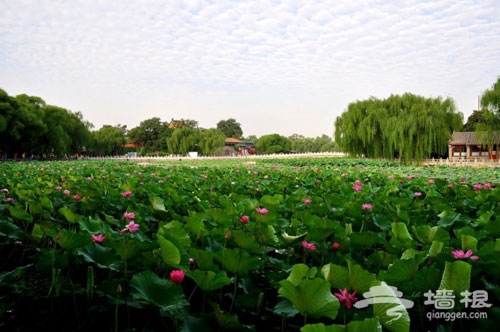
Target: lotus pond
268, 245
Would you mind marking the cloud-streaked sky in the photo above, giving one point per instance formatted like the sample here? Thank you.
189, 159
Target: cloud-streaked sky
275, 66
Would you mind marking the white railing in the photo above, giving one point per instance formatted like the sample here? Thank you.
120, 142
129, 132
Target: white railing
463, 161
259, 156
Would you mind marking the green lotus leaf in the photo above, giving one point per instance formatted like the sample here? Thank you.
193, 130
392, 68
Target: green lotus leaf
70, 216
238, 261
209, 280
390, 309
336, 275
456, 276
311, 297
169, 253
359, 279
291, 238
20, 214
157, 203
71, 240
160, 292
10, 230
103, 257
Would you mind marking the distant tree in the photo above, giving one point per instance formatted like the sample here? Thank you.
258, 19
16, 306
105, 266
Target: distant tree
81, 136
211, 142
273, 143
252, 138
29, 124
173, 124
487, 130
329, 147
324, 143
183, 140
230, 128
57, 138
307, 144
152, 134
10, 122
491, 98
409, 127
476, 117
300, 143
108, 140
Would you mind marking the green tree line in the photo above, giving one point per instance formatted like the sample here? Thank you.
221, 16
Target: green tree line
408, 127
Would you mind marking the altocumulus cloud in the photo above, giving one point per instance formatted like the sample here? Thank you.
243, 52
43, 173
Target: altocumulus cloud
275, 66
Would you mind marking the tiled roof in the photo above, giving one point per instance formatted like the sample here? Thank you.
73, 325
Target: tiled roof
131, 145
232, 140
468, 138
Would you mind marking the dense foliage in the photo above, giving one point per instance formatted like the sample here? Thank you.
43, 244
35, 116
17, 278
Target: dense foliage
275, 245
488, 126
30, 127
273, 143
151, 135
321, 143
230, 128
409, 127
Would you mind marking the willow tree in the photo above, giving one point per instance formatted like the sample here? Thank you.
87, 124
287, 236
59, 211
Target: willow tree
346, 129
212, 142
409, 127
488, 128
183, 140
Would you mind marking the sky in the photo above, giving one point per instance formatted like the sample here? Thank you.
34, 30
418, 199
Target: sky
275, 66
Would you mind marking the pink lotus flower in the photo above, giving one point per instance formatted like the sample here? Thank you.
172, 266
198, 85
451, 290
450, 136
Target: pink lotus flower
227, 235
367, 206
177, 276
477, 186
58, 188
77, 197
335, 245
459, 254
129, 215
126, 193
66, 192
357, 186
89, 178
307, 201
431, 181
417, 194
262, 211
244, 219
99, 238
308, 246
4, 190
487, 186
191, 261
346, 298
132, 227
